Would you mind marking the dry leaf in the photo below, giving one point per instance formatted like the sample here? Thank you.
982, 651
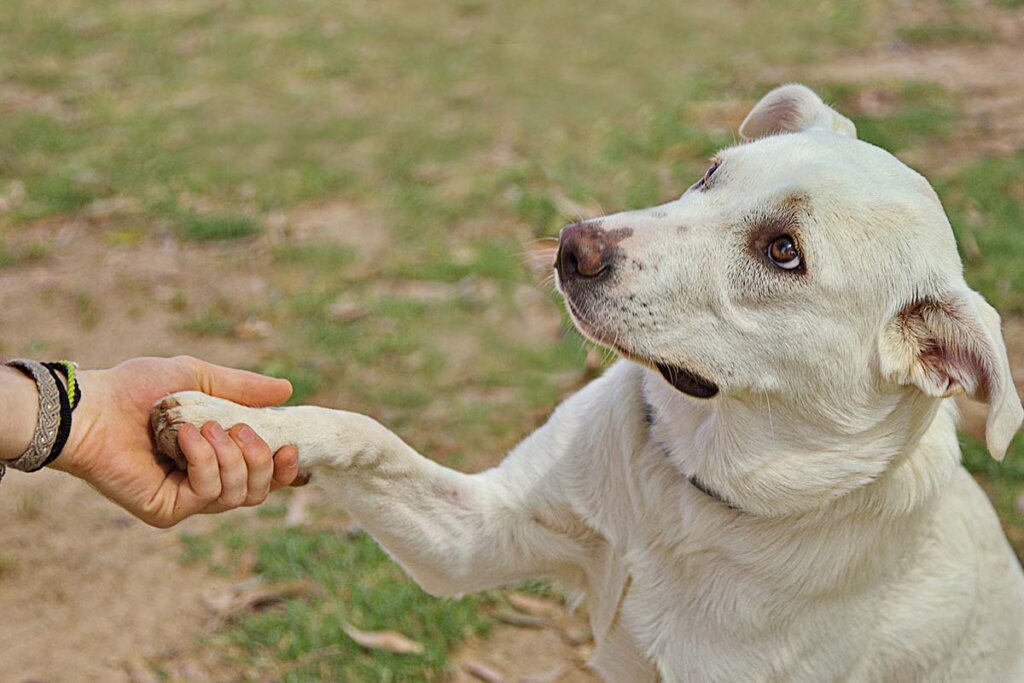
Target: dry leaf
346, 309
484, 672
253, 328
520, 619
231, 605
388, 641
532, 604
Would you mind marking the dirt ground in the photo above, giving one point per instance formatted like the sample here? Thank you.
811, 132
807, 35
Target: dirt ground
85, 589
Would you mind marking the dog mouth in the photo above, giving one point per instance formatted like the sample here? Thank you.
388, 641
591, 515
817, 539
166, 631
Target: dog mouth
686, 381
681, 379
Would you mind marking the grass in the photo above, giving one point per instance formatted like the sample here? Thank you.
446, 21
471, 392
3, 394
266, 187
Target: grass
463, 130
31, 252
915, 113
208, 228
985, 202
943, 33
209, 324
357, 584
204, 100
1003, 481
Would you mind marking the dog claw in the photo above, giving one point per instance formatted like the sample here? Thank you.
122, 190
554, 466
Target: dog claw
165, 432
302, 478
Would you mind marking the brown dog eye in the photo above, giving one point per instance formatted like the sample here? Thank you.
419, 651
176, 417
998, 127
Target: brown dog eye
783, 253
706, 180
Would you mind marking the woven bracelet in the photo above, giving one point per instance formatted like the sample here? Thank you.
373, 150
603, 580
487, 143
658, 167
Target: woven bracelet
56, 403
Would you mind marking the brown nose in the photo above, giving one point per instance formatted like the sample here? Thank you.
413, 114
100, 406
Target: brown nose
584, 251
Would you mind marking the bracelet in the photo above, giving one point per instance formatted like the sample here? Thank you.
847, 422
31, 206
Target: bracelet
56, 403
68, 369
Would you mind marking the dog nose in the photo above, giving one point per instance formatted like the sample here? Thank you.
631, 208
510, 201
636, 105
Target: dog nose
584, 251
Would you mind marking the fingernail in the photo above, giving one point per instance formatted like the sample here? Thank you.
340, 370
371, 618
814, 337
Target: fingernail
217, 432
246, 435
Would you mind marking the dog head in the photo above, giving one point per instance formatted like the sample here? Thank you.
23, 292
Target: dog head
805, 268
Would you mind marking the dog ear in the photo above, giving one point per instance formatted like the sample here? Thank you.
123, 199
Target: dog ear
792, 108
953, 345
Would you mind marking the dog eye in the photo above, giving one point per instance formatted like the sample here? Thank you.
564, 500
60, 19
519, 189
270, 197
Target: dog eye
707, 175
783, 252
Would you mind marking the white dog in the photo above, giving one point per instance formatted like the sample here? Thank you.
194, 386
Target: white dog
768, 487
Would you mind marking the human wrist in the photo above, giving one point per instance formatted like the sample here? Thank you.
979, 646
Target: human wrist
85, 425
19, 410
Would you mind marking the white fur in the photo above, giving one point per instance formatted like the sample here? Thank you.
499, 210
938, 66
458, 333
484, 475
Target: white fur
857, 547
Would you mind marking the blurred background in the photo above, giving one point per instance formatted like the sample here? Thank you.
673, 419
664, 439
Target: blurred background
346, 194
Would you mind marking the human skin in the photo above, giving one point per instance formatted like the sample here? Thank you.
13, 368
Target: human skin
111, 446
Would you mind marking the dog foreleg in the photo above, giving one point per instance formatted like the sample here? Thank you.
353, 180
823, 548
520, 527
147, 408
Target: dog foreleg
452, 532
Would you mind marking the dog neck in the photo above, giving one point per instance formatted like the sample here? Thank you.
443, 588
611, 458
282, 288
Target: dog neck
694, 480
770, 457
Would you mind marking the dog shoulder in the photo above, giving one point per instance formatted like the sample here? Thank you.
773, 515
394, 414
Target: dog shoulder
603, 429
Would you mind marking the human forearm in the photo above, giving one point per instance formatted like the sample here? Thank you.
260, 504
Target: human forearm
19, 410
109, 444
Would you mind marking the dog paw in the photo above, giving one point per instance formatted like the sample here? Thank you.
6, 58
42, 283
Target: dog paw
188, 407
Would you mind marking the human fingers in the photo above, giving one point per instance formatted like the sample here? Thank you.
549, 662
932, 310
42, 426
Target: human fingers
286, 467
203, 469
179, 495
234, 476
240, 386
259, 462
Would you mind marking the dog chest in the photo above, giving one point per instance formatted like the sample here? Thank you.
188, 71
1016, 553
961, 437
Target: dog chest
706, 618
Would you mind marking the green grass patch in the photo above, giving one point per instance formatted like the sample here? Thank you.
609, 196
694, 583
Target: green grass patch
195, 548
209, 324
985, 202
359, 585
1002, 481
306, 380
272, 511
59, 193
915, 114
496, 259
31, 252
214, 227
943, 33
977, 460
314, 255
86, 310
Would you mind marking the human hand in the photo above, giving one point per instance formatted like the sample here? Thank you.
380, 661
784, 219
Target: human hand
112, 448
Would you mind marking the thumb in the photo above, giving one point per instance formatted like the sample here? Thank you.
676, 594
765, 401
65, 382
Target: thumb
240, 386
